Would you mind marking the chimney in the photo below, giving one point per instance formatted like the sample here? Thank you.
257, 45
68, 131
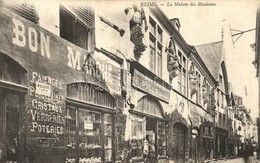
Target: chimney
175, 23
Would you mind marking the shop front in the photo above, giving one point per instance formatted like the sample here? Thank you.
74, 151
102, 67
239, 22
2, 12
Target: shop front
89, 124
207, 140
55, 105
147, 131
146, 115
12, 103
178, 137
195, 118
221, 137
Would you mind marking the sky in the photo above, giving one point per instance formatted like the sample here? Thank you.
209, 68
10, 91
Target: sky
204, 24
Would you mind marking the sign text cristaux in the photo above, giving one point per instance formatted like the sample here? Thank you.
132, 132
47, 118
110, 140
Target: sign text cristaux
46, 111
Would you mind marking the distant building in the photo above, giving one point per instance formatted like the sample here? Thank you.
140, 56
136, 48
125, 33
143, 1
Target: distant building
214, 57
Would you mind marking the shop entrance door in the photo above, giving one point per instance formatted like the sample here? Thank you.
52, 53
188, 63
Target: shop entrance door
10, 140
179, 135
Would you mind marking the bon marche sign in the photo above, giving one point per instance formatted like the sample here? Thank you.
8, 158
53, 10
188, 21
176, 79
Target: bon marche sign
103, 73
40, 41
26, 40
150, 86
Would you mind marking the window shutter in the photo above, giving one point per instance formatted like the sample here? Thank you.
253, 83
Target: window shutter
25, 10
83, 13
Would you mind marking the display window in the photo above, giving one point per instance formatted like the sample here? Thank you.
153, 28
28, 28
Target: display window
89, 124
89, 136
148, 135
12, 94
161, 139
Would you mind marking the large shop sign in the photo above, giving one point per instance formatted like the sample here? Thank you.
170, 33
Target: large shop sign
28, 36
102, 72
39, 41
150, 86
28, 39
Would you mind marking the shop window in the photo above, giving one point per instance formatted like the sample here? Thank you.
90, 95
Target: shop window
77, 24
71, 137
89, 136
89, 130
138, 125
161, 139
147, 128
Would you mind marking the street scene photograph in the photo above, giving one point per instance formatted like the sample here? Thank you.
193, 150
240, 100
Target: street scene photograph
157, 81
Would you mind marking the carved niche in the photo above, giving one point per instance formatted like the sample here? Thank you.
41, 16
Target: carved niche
136, 29
193, 79
172, 60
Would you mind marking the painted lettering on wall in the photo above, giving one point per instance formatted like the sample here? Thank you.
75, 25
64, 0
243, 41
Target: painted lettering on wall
19, 38
39, 42
103, 71
46, 105
74, 59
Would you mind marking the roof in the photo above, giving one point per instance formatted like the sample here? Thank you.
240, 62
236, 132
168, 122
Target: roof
211, 54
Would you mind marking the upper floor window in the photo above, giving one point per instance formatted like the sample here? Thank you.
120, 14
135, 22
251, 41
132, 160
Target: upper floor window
160, 34
152, 26
182, 78
155, 47
77, 24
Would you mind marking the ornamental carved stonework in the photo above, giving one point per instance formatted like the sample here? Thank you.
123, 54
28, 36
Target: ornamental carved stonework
136, 29
205, 92
212, 101
172, 60
193, 80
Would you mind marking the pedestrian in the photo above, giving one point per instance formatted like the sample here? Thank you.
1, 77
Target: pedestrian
246, 154
151, 151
